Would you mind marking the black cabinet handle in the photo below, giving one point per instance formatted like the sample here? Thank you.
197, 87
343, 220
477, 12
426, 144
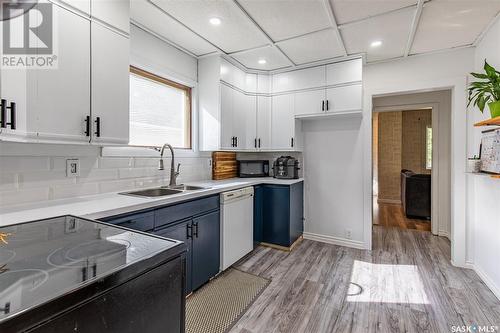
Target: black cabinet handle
232, 141
87, 126
3, 113
189, 231
94, 270
327, 107
236, 141
97, 127
84, 274
6, 308
292, 142
255, 143
323, 106
195, 230
259, 142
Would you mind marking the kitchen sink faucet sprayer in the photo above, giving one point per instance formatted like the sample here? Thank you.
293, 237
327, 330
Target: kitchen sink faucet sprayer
173, 173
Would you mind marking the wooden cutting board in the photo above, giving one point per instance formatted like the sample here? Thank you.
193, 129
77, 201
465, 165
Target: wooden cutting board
224, 165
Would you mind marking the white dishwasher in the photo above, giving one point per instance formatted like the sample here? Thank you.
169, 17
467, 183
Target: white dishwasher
236, 231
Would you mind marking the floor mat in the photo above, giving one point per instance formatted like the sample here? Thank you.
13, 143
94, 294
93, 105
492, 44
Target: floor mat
218, 305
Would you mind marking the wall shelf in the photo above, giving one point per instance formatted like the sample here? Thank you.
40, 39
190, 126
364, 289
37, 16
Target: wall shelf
489, 122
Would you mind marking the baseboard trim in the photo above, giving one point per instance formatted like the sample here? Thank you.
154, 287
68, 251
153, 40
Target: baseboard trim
335, 240
493, 287
389, 201
444, 234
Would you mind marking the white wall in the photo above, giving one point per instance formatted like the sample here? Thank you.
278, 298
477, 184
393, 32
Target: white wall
36, 172
424, 73
483, 212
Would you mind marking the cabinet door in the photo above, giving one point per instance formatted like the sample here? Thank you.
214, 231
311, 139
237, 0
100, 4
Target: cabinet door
347, 98
206, 248
63, 94
344, 72
110, 86
276, 215
310, 102
283, 122
258, 202
296, 211
264, 119
182, 232
245, 120
114, 13
17, 85
226, 109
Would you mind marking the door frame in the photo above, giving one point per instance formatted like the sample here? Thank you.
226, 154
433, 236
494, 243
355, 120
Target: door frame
435, 153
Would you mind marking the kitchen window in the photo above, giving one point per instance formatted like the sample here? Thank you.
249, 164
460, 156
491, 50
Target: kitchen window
160, 111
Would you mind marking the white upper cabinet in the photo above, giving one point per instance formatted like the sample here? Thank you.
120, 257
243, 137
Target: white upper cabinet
81, 5
113, 12
344, 72
250, 83
310, 102
227, 140
347, 98
263, 84
110, 86
283, 122
264, 119
300, 79
233, 75
62, 100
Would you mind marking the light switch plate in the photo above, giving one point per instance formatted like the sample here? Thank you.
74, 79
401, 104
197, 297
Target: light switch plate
73, 167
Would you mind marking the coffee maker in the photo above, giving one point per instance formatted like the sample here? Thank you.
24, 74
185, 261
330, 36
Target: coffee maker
286, 167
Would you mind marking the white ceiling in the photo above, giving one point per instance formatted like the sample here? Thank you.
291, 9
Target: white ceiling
289, 33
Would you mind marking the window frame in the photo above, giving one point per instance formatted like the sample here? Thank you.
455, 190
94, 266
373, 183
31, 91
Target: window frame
189, 103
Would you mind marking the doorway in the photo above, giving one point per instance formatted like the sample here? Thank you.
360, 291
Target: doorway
402, 168
435, 139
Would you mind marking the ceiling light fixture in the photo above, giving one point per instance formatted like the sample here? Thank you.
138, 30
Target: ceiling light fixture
262, 61
215, 21
376, 43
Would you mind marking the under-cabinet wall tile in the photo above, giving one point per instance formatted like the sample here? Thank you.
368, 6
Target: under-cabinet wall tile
22, 163
117, 185
44, 179
115, 162
24, 196
75, 190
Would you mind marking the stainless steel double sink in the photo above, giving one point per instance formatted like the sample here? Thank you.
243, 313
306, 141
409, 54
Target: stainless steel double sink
164, 191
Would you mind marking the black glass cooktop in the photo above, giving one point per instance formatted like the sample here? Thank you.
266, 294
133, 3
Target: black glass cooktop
42, 260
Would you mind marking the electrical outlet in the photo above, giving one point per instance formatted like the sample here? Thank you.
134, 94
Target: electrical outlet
348, 233
72, 167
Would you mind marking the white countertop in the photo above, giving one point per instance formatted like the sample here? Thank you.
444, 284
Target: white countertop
109, 204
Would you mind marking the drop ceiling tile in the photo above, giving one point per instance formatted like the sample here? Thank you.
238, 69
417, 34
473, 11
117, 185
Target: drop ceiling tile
282, 19
314, 47
155, 20
353, 10
445, 23
274, 59
391, 29
236, 31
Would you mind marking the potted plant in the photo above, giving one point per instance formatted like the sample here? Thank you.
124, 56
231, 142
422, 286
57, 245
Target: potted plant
486, 91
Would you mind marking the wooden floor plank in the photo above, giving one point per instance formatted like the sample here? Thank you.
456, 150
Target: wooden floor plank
405, 284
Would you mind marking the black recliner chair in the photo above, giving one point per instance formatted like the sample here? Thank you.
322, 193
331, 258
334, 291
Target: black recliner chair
416, 194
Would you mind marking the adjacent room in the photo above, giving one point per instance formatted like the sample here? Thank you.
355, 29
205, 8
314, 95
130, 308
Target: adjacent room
249, 166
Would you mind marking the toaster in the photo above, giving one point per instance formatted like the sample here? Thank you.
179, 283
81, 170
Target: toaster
286, 167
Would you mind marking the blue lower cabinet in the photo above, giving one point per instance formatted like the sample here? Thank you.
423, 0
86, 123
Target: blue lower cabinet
258, 214
183, 232
282, 216
206, 248
196, 223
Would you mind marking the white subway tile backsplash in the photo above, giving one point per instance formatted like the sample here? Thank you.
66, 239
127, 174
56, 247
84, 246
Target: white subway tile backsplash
116, 185
115, 162
94, 175
24, 196
75, 190
86, 163
22, 163
44, 178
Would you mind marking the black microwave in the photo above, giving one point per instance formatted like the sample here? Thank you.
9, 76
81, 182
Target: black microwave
255, 168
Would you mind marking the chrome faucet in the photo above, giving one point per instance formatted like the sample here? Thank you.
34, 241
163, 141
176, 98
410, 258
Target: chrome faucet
173, 173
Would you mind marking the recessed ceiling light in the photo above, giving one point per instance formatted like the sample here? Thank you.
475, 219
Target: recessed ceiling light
215, 21
262, 61
376, 43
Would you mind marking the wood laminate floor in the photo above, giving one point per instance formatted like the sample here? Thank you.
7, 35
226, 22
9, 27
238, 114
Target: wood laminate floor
406, 284
392, 215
